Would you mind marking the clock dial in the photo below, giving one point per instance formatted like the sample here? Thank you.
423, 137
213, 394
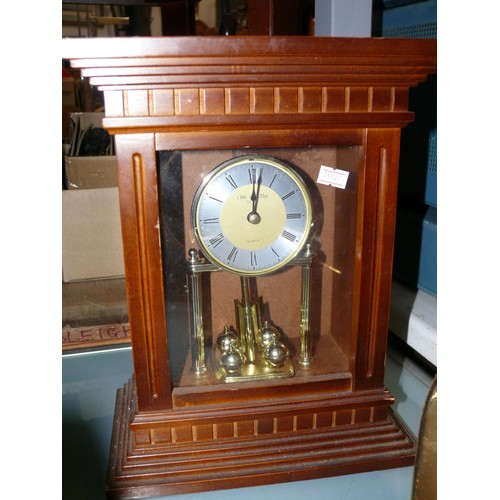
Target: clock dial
252, 215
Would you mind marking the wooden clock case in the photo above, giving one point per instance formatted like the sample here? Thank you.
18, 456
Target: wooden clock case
217, 95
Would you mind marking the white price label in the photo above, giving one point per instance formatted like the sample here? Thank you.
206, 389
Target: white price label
333, 177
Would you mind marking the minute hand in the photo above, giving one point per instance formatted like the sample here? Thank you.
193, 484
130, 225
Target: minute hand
253, 216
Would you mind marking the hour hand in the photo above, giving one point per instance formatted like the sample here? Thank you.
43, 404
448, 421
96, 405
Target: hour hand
254, 194
253, 217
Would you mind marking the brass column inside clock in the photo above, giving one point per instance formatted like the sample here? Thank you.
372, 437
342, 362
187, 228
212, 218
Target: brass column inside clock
198, 365
253, 350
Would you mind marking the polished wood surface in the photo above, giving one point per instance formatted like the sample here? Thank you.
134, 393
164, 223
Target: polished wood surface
221, 93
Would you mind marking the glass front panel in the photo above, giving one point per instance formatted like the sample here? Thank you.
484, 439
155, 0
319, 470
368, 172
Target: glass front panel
273, 325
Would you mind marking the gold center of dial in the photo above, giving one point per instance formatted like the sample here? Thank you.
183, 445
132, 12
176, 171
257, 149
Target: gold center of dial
253, 231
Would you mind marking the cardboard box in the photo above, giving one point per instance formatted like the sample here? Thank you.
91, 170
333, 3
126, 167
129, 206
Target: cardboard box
88, 172
91, 234
67, 111
91, 172
84, 127
89, 118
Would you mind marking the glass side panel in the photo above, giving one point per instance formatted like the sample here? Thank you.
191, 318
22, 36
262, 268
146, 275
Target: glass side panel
292, 324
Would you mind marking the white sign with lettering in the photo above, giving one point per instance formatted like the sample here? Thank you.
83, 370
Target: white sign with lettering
333, 177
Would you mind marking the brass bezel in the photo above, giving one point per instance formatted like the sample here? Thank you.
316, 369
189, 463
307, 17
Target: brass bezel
219, 170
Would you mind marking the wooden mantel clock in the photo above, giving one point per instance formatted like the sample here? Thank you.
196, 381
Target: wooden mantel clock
258, 182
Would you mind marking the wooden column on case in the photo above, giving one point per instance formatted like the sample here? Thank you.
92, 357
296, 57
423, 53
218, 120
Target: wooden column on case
376, 243
136, 157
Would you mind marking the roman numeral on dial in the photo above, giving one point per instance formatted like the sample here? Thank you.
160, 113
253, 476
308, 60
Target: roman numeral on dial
253, 259
232, 254
252, 175
291, 193
231, 181
211, 220
288, 236
216, 240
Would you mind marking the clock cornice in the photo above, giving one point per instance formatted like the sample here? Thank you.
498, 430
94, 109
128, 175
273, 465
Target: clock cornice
257, 82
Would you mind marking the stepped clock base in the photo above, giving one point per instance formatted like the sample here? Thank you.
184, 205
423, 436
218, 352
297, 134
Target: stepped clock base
184, 451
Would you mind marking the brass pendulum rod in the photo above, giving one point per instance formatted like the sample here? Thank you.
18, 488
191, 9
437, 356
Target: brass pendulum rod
247, 328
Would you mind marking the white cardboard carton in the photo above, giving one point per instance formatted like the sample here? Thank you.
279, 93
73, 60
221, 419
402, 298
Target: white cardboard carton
91, 234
